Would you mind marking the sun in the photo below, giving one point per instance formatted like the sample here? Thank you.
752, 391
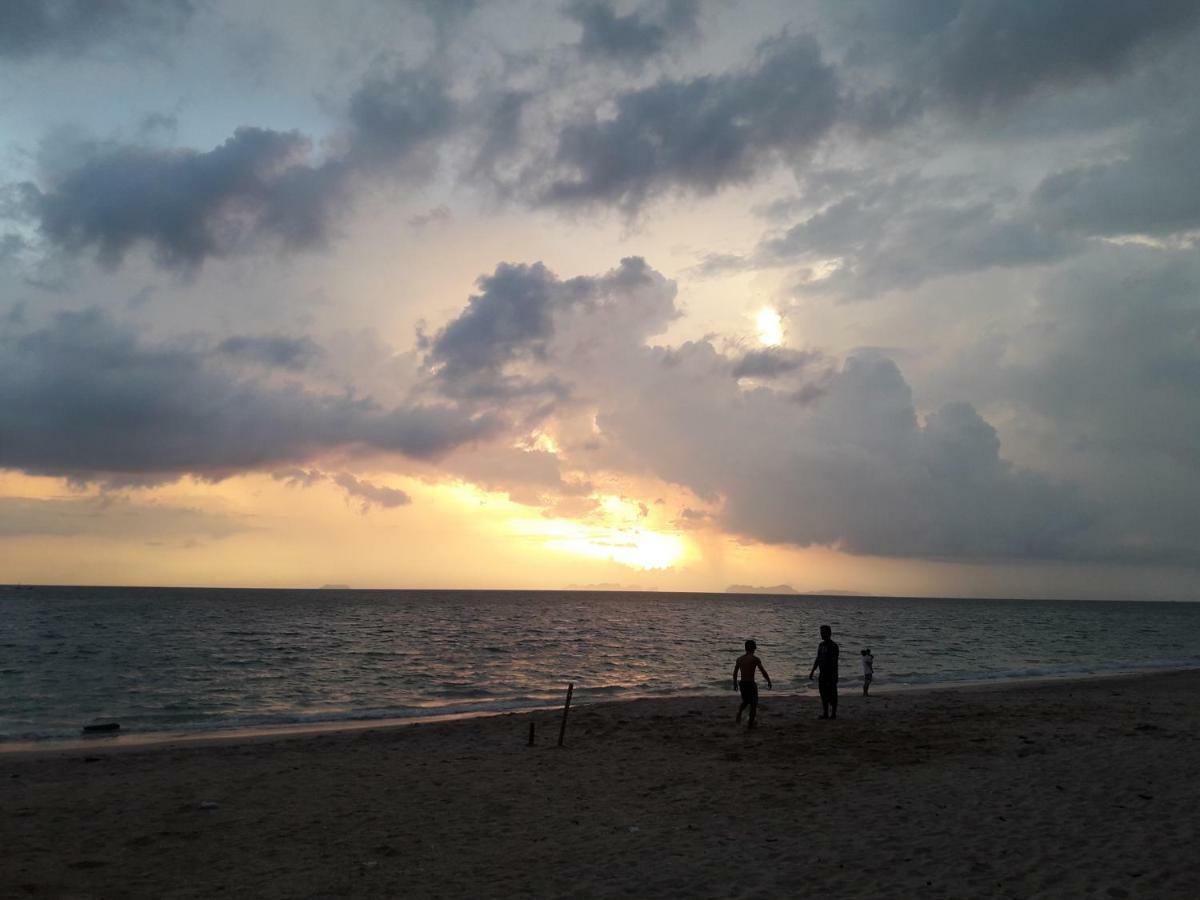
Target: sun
636, 548
770, 327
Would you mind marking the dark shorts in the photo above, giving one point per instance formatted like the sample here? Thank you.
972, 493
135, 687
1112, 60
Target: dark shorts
749, 691
828, 689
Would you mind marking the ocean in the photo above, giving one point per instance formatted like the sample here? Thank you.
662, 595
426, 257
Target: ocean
186, 660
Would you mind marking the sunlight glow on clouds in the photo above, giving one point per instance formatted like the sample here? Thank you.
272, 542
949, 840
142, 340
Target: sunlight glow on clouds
770, 327
820, 287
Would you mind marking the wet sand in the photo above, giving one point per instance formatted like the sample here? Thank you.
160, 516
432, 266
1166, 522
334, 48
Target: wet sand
1061, 789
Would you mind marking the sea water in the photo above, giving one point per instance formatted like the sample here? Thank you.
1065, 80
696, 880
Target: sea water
167, 659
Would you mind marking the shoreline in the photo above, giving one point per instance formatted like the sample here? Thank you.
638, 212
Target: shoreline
219, 735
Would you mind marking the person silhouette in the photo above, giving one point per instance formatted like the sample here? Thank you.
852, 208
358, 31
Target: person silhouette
745, 667
827, 662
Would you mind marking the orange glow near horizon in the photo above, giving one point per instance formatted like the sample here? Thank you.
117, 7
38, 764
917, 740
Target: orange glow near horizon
258, 531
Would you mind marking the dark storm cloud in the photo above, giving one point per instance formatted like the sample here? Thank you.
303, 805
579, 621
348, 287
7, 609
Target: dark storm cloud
273, 350
85, 397
697, 135
62, 27
636, 36
188, 205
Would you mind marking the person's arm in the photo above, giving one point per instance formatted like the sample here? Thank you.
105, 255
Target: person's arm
735, 673
764, 671
816, 662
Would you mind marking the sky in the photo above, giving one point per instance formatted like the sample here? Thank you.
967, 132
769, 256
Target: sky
892, 298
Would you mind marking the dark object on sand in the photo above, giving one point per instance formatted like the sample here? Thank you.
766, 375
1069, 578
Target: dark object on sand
101, 727
562, 729
530, 734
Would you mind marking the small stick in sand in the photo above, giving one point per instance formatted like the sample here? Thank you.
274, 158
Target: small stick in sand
562, 729
530, 734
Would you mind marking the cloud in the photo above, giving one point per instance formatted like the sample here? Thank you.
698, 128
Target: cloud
852, 466
1153, 189
259, 186
879, 235
697, 136
972, 57
395, 118
1104, 376
437, 216
86, 398
996, 51
188, 205
276, 351
771, 362
67, 27
635, 37
508, 324
371, 494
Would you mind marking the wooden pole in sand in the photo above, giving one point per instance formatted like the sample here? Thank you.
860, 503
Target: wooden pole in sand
562, 729
530, 734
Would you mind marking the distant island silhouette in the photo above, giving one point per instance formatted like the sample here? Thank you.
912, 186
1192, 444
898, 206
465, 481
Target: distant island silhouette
334, 587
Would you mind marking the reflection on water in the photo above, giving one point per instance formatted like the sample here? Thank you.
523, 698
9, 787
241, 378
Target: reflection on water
158, 659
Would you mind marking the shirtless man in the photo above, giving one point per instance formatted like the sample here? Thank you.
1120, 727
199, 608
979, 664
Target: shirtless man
745, 667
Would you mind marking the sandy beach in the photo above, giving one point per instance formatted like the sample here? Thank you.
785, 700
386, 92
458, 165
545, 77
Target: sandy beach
1065, 789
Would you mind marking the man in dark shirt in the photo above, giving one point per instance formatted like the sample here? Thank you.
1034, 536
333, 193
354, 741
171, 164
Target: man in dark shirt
827, 662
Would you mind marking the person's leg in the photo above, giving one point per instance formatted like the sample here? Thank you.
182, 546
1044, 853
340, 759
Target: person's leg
833, 702
866, 684
741, 708
753, 711
824, 700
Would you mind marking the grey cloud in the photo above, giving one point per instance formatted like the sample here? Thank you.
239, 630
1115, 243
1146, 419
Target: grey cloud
973, 56
438, 215
854, 469
394, 118
298, 477
1097, 376
995, 51
85, 397
371, 494
698, 135
902, 232
366, 492
772, 362
185, 204
64, 27
258, 186
273, 350
511, 320
851, 466
636, 36
1154, 189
